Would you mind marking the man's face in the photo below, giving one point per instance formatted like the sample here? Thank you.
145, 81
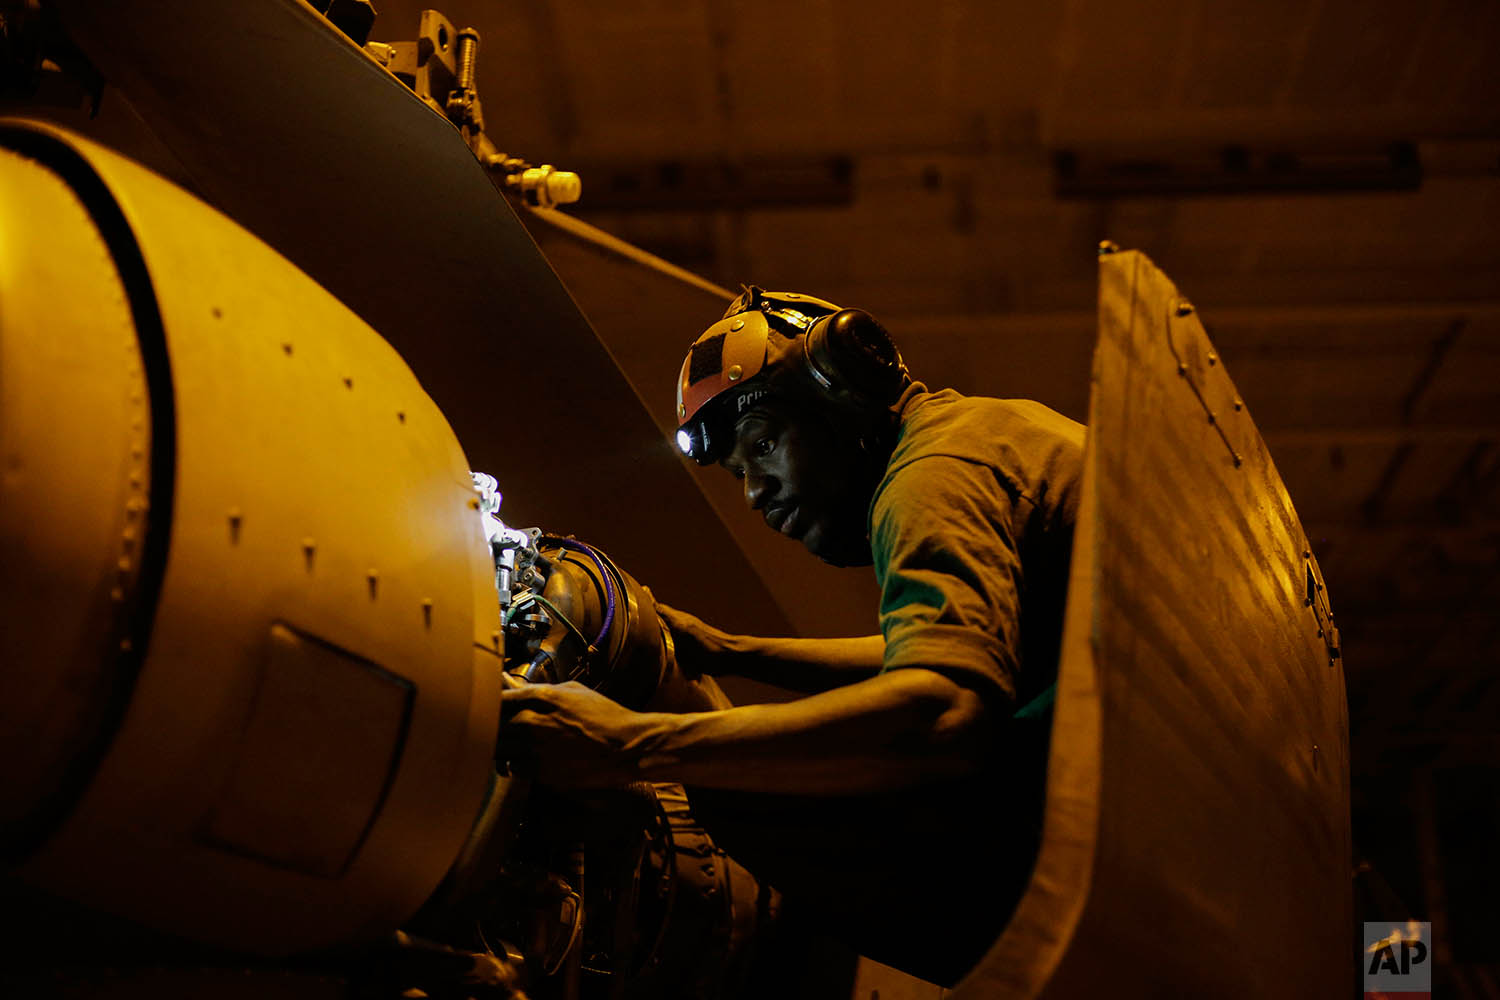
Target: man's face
804, 481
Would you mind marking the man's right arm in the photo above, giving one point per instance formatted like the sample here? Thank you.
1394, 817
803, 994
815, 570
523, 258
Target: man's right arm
808, 666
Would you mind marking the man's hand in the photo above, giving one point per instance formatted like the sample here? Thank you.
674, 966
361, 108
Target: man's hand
701, 648
568, 735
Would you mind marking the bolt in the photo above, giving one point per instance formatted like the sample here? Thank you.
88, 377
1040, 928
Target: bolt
1213, 358
1182, 369
309, 548
373, 576
734, 372
348, 382
427, 611
1212, 418
234, 525
287, 349
681, 411
468, 54
1184, 308
401, 416
737, 324
1239, 404
1107, 247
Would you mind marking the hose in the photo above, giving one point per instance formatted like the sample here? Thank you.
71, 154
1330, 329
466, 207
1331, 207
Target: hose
609, 583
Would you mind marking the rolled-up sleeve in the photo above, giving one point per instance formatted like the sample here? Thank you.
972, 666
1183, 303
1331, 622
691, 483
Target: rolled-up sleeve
946, 559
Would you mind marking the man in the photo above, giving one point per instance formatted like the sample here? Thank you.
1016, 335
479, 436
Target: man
902, 795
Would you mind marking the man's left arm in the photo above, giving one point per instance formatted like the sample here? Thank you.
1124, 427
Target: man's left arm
949, 571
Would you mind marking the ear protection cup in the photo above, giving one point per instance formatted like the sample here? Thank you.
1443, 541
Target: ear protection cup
849, 354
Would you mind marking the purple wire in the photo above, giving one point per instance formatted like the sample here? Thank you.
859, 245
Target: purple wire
609, 584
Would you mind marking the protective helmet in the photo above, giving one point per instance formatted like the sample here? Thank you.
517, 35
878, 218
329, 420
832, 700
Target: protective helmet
844, 354
727, 368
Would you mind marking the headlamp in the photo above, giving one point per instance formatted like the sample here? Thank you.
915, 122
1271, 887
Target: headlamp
694, 441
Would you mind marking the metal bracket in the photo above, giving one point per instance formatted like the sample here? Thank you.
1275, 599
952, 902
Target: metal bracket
440, 68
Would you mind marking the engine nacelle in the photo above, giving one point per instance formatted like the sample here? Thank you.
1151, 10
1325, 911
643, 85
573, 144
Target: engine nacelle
251, 640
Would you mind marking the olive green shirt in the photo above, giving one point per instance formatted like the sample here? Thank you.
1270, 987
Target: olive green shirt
971, 529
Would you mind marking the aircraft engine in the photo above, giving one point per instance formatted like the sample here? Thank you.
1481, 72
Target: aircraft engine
251, 633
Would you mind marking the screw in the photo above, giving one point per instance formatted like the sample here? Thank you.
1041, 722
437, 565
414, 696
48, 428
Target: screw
1212, 418
737, 324
427, 611
373, 577
468, 54
1107, 247
1239, 404
348, 382
287, 349
1184, 308
1213, 358
234, 525
309, 548
734, 372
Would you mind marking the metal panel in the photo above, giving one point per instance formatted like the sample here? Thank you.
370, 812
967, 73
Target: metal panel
1197, 831
76, 436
